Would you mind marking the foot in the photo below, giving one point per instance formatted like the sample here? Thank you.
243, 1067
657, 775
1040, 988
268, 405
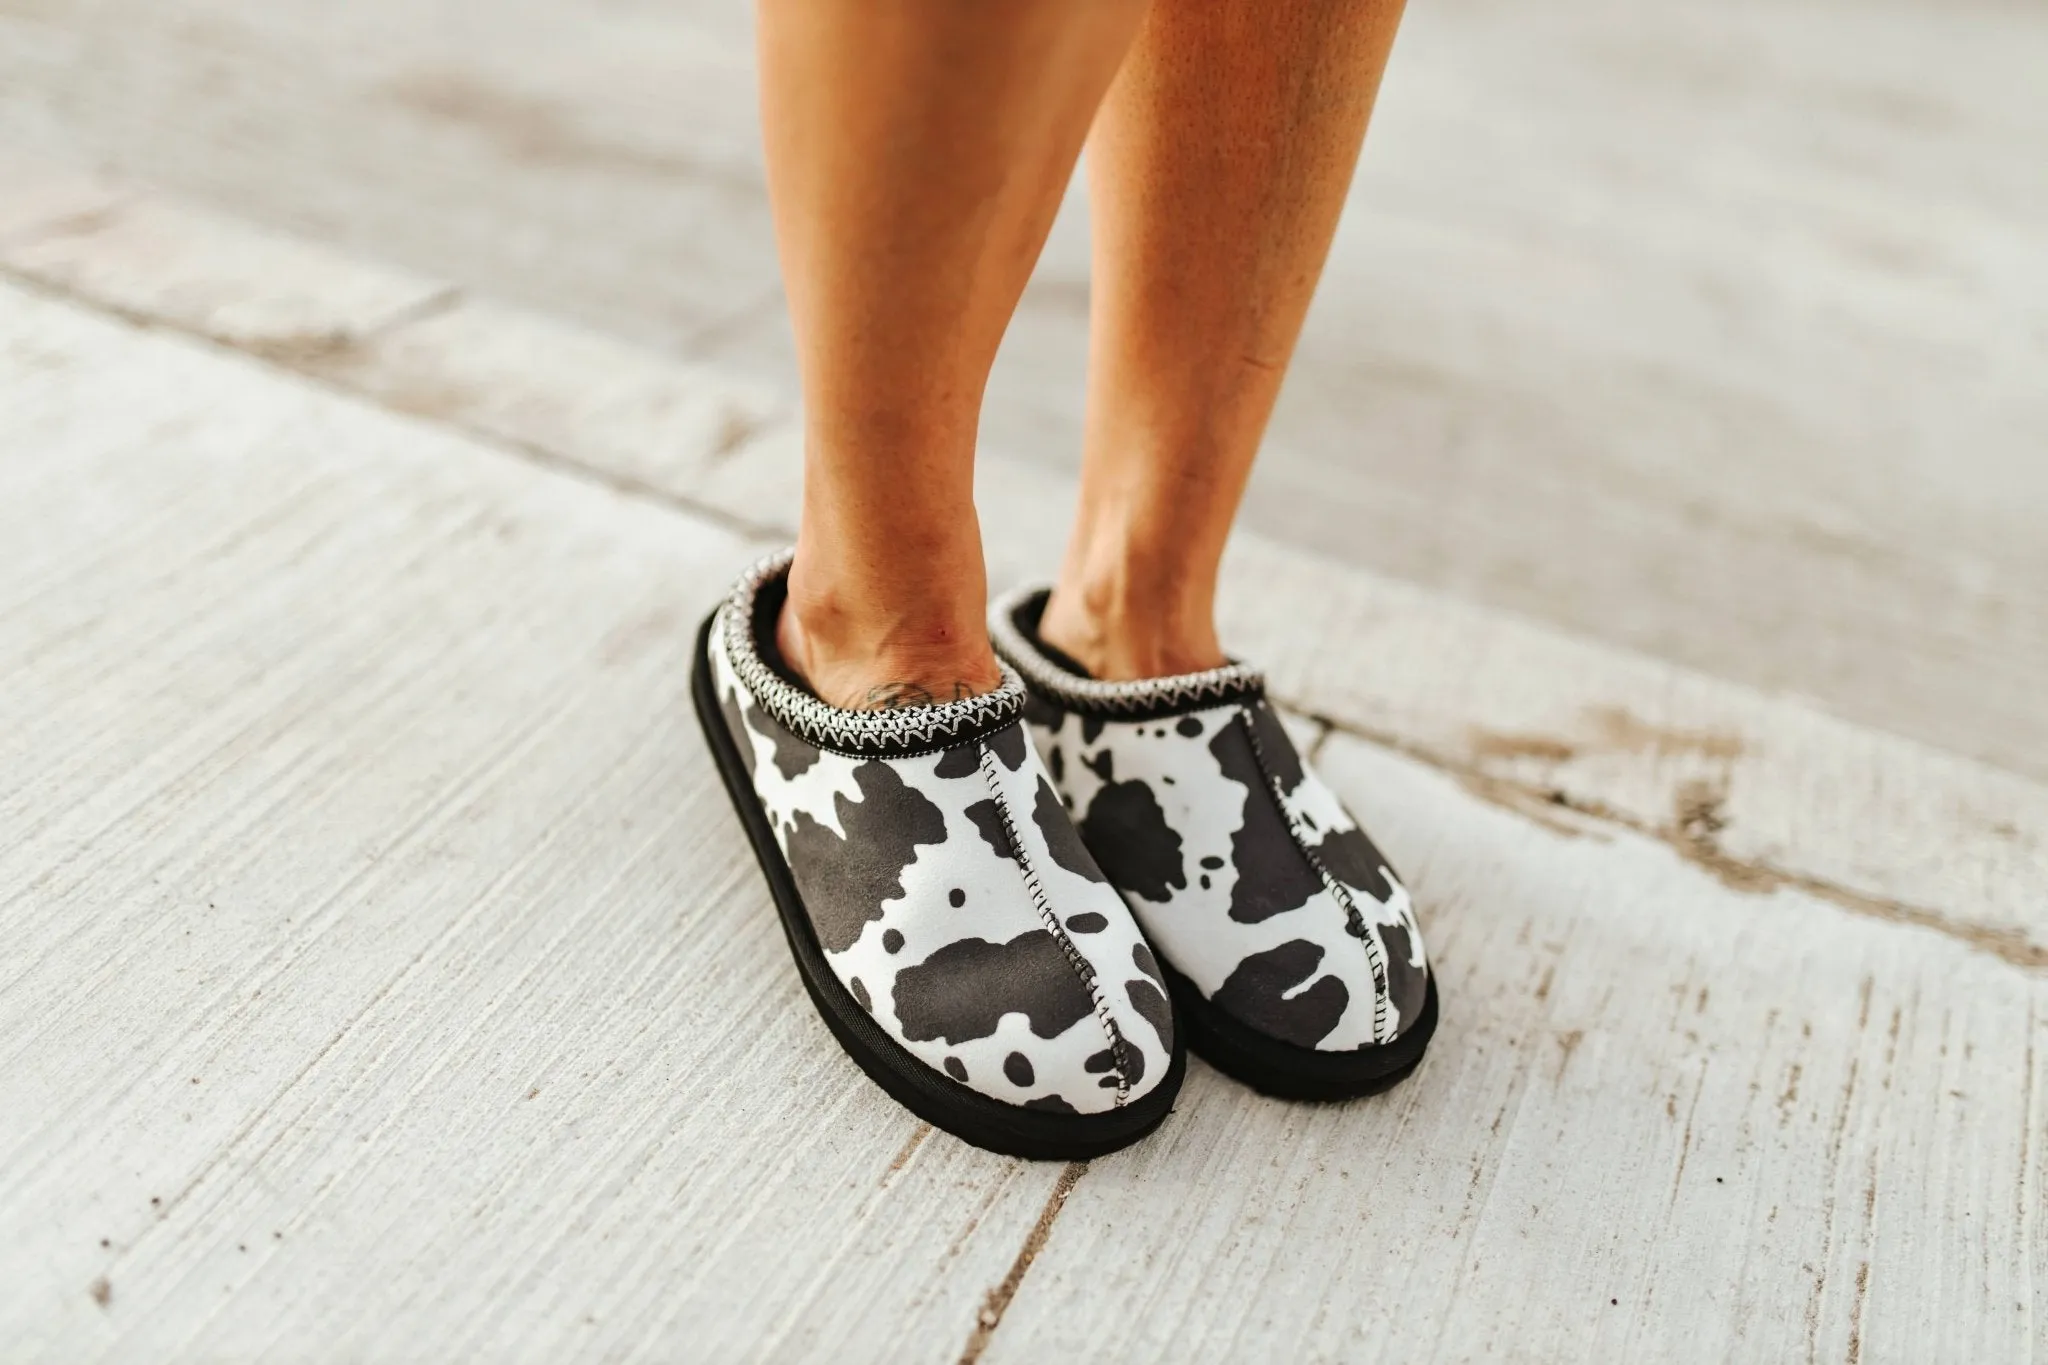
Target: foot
858, 652
950, 926
1116, 638
1291, 945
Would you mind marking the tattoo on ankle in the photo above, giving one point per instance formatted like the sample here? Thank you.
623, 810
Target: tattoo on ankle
903, 695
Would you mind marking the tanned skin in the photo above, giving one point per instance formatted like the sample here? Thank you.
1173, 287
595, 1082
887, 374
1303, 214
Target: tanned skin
917, 153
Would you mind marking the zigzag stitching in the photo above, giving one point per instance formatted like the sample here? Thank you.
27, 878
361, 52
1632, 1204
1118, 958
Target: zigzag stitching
879, 732
1231, 682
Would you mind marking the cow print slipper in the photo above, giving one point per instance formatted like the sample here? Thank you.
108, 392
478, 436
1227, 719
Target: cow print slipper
1291, 947
948, 922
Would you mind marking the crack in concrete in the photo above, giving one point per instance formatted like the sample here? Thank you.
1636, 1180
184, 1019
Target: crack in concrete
73, 222
998, 1300
1693, 831
309, 352
312, 356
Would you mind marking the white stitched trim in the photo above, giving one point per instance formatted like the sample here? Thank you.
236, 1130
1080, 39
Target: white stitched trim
1176, 692
1082, 967
905, 730
1354, 922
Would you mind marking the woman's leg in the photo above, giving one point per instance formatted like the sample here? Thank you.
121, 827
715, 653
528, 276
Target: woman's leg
1218, 165
917, 152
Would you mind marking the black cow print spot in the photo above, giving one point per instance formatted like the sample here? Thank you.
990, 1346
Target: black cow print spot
1273, 875
1100, 1061
845, 880
1062, 840
1009, 745
1147, 1000
1407, 983
793, 757
1018, 1068
956, 898
1052, 1104
957, 1069
1110, 1082
1189, 726
988, 819
860, 993
963, 990
1212, 862
1091, 729
1353, 860
1276, 748
962, 760
737, 727
1256, 993
1147, 963
1102, 763
1140, 851
1057, 761
1087, 922
892, 941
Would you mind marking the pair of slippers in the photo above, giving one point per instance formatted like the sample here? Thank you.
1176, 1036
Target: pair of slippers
1018, 911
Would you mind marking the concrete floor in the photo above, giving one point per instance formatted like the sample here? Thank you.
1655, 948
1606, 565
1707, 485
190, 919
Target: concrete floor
383, 975
1719, 332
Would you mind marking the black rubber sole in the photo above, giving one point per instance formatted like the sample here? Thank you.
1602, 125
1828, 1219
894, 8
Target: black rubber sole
1037, 1134
1297, 1073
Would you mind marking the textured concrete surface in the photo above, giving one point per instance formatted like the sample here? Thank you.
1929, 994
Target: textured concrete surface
1716, 331
382, 975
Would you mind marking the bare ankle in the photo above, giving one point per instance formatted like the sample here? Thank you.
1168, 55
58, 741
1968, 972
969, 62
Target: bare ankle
1121, 636
862, 652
